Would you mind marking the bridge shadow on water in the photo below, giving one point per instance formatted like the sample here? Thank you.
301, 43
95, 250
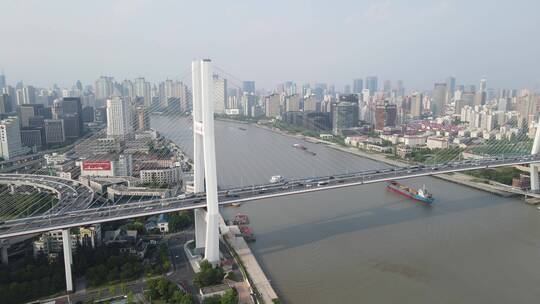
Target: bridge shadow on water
386, 214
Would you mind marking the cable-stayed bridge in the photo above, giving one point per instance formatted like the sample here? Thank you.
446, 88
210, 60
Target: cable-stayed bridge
78, 205
75, 218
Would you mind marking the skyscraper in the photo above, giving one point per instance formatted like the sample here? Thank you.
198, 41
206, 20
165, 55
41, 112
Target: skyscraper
438, 99
29, 94
118, 117
103, 87
143, 90
10, 138
416, 104
481, 96
344, 116
372, 84
450, 88
387, 87
220, 94
385, 115
54, 131
272, 105
5, 103
358, 86
3, 83
248, 86
27, 111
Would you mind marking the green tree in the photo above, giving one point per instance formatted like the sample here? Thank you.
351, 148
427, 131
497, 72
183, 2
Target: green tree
208, 275
230, 297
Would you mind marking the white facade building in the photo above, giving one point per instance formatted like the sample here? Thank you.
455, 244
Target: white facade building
118, 117
166, 176
10, 138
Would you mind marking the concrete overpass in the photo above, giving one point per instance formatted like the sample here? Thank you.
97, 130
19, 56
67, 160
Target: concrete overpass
71, 216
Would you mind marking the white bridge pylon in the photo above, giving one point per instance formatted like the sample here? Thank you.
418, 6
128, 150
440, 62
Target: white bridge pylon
204, 159
535, 181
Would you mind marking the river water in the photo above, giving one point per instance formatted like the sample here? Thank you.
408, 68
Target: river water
367, 245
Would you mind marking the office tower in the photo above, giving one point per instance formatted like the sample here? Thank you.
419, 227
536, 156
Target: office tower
417, 100
88, 114
220, 94
292, 103
32, 138
311, 104
143, 89
248, 86
371, 84
358, 86
27, 111
143, 119
29, 95
400, 89
128, 90
54, 131
118, 117
3, 83
450, 89
103, 87
248, 102
5, 103
481, 95
387, 86
272, 105
385, 115
72, 107
347, 89
438, 99
345, 116
10, 138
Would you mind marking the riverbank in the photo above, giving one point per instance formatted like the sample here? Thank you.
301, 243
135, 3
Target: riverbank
250, 267
457, 178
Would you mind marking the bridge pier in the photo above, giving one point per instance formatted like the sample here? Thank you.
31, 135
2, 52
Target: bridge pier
68, 259
200, 229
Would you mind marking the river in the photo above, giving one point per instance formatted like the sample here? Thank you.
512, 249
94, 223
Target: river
366, 245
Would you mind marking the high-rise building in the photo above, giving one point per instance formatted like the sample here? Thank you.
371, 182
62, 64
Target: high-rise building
5, 103
3, 83
27, 111
72, 110
272, 105
103, 87
358, 86
220, 94
143, 89
344, 116
311, 104
372, 84
32, 138
292, 103
29, 95
143, 119
248, 86
417, 100
54, 131
385, 115
450, 89
481, 96
438, 99
387, 86
10, 138
248, 102
118, 117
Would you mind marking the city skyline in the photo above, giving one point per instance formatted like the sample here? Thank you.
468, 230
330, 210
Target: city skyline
401, 49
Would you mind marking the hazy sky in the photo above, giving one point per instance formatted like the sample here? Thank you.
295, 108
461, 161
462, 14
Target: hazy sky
419, 41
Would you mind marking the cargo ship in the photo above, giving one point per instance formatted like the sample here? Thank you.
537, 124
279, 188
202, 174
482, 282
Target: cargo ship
421, 195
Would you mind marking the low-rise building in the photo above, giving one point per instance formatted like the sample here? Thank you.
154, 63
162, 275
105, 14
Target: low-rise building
437, 142
163, 176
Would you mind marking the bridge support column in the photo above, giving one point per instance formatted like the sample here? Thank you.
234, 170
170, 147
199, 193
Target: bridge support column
5, 257
68, 259
204, 153
535, 183
200, 228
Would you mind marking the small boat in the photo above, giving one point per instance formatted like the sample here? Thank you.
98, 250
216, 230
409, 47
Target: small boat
243, 129
299, 146
421, 195
312, 153
236, 204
